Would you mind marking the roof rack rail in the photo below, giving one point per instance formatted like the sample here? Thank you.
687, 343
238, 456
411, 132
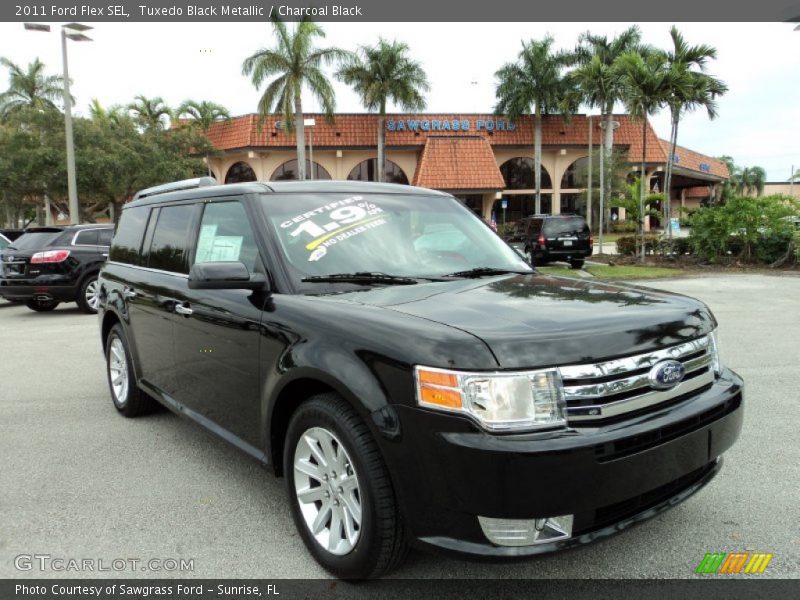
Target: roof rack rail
186, 184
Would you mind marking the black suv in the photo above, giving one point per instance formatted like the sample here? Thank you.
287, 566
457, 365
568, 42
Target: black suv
49, 265
545, 238
408, 373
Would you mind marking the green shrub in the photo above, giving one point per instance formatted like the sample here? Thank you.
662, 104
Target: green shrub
623, 226
675, 246
744, 227
772, 245
627, 245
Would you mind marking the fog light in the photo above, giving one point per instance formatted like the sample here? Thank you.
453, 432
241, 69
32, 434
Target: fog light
526, 532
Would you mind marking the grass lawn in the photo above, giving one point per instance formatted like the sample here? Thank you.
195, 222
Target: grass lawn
617, 272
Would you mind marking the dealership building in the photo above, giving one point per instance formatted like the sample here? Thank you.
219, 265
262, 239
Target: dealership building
485, 160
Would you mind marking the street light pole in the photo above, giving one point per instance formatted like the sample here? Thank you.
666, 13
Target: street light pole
72, 184
74, 32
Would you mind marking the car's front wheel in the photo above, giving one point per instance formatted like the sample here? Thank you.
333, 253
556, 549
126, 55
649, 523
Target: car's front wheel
42, 305
342, 499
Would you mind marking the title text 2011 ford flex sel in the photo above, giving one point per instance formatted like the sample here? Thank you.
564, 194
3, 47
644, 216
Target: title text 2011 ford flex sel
410, 375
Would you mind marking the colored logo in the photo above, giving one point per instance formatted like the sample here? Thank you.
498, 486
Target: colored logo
722, 563
666, 374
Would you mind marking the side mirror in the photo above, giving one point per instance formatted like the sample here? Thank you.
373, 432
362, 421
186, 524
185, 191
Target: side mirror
224, 276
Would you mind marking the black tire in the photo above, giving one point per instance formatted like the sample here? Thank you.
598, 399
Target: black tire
576, 264
42, 305
381, 545
84, 303
132, 402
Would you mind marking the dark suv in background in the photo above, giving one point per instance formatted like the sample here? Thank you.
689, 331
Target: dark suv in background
546, 238
411, 376
49, 265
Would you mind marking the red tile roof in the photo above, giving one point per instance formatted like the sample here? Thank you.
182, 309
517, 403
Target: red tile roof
694, 161
360, 130
458, 163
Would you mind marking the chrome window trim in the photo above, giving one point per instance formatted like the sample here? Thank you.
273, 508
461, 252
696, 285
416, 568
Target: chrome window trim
148, 269
80, 231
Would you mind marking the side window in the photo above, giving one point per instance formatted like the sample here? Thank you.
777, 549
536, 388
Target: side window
104, 237
226, 235
168, 248
88, 237
127, 242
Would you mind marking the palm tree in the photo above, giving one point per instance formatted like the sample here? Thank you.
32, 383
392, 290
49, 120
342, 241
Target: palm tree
113, 114
535, 81
30, 88
150, 113
690, 88
597, 75
752, 179
645, 79
203, 115
384, 73
296, 63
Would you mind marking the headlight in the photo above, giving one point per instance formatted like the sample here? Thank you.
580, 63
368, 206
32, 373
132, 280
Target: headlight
498, 401
713, 348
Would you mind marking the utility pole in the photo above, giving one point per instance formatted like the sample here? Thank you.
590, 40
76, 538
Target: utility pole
589, 182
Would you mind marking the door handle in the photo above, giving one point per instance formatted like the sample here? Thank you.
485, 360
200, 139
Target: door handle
183, 310
128, 293
105, 254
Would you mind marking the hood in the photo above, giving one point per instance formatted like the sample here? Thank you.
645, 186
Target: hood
535, 321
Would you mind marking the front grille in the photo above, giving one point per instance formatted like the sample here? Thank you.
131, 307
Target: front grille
613, 389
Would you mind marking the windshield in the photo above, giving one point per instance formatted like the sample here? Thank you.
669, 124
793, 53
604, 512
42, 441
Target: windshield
35, 239
3, 242
402, 235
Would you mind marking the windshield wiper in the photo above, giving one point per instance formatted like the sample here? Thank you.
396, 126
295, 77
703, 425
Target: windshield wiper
485, 272
361, 277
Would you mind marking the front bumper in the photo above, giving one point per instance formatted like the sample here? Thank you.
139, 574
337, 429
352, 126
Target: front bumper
608, 477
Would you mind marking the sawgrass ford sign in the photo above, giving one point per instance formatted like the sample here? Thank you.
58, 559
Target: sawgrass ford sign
450, 125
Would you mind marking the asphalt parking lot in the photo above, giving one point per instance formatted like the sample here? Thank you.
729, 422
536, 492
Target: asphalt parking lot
79, 481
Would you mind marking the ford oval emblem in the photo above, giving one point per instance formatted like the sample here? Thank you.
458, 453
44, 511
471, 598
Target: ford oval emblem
666, 374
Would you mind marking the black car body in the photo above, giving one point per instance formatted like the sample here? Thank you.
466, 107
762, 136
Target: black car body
54, 264
491, 411
546, 238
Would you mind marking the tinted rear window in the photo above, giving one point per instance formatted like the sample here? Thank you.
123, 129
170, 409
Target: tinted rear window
86, 238
565, 225
168, 250
127, 243
104, 237
36, 239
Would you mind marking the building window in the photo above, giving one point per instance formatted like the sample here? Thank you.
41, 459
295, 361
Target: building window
240, 172
367, 170
573, 204
518, 174
288, 170
520, 205
575, 175
474, 202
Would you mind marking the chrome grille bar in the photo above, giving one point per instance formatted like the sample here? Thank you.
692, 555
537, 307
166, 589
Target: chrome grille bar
608, 389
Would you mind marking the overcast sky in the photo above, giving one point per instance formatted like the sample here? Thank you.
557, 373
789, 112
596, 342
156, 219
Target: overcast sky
758, 123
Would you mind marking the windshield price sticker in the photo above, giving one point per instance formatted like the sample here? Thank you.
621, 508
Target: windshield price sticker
334, 222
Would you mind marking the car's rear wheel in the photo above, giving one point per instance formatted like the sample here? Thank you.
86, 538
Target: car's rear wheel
128, 399
576, 264
341, 496
42, 305
89, 295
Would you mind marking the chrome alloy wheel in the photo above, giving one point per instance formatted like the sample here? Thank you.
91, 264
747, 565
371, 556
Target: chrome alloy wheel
92, 294
327, 490
118, 371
